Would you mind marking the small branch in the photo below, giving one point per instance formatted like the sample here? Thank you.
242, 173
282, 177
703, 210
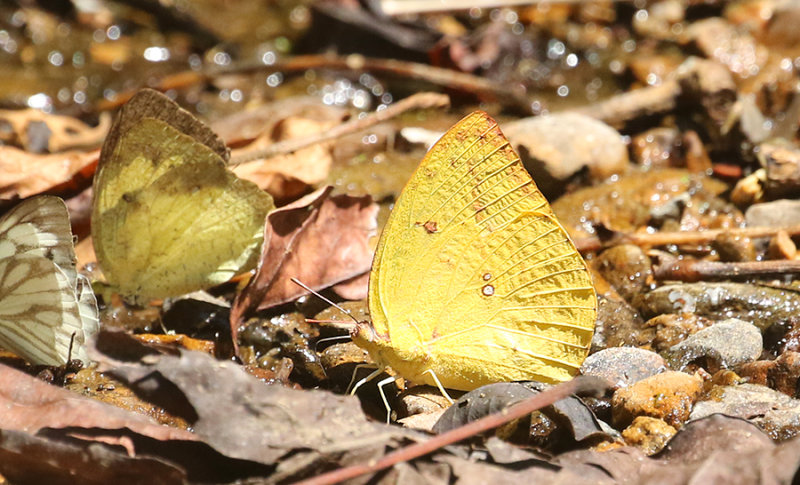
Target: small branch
633, 104
581, 385
416, 101
691, 270
404, 7
445, 78
593, 243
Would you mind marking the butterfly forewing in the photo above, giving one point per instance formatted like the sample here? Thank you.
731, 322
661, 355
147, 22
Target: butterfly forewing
38, 226
474, 270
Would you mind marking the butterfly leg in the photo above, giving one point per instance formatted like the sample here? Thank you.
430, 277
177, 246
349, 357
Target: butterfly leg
439, 385
363, 381
382, 383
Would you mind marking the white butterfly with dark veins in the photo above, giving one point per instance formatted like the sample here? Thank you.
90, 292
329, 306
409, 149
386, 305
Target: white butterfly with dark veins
45, 305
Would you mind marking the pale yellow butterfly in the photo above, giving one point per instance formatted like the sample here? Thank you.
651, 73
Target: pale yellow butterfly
169, 218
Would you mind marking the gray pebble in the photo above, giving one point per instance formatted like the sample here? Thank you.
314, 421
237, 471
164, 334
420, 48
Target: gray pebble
727, 344
778, 213
623, 366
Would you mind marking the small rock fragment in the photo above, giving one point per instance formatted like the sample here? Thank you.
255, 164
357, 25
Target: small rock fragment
781, 247
661, 19
725, 345
756, 372
421, 422
778, 213
623, 366
781, 161
421, 406
560, 145
708, 85
784, 375
703, 439
790, 340
761, 304
749, 190
618, 324
648, 434
630, 202
657, 147
627, 268
697, 159
668, 396
734, 48
734, 247
672, 329
772, 411
340, 361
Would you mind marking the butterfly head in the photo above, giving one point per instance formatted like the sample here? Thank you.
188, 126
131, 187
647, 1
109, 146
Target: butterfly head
363, 332
365, 336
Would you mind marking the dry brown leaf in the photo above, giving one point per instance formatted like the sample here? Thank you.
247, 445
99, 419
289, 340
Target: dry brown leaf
24, 174
354, 288
320, 240
178, 341
39, 459
84, 251
80, 213
242, 128
40, 132
29, 404
241, 417
309, 165
288, 176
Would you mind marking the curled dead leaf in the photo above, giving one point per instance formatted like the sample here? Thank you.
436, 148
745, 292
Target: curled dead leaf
320, 240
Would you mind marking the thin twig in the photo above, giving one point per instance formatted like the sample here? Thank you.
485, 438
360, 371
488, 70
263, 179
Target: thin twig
593, 243
691, 270
633, 104
446, 78
582, 384
416, 101
512, 96
404, 7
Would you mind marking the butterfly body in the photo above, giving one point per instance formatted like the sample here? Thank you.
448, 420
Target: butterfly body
474, 280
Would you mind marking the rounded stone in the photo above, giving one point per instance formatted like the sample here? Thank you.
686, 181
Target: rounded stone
668, 396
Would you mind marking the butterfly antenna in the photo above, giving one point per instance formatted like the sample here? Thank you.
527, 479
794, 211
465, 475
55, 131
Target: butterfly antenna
69, 351
329, 302
329, 339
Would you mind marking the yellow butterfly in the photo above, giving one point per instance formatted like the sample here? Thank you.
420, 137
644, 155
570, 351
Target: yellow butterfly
46, 307
169, 217
474, 280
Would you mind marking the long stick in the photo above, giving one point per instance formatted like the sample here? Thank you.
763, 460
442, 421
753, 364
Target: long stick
581, 384
416, 101
590, 244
